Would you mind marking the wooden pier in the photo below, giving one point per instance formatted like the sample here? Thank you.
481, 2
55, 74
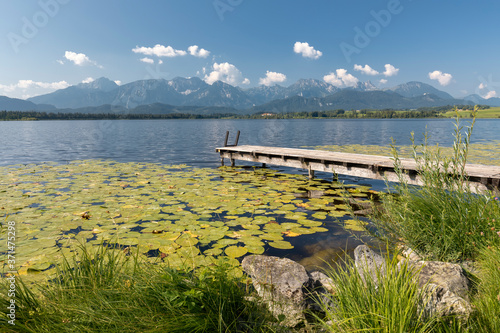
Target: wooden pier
481, 177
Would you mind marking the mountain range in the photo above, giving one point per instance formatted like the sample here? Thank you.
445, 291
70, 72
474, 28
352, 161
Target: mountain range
193, 95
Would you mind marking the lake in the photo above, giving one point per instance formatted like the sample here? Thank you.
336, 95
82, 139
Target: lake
193, 142
190, 142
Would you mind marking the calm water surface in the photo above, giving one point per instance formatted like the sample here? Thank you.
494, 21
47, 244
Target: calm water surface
193, 142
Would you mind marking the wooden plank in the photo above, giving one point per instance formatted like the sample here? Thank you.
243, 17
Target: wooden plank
361, 165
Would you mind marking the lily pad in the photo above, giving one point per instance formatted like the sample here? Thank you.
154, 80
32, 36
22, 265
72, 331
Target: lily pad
236, 251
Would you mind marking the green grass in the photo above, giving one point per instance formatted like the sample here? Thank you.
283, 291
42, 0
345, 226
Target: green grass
487, 301
493, 112
443, 219
387, 302
108, 291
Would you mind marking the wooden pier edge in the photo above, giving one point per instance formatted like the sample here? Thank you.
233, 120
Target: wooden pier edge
481, 177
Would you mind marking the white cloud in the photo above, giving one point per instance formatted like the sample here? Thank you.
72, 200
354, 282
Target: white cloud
79, 59
118, 82
383, 81
272, 77
341, 78
88, 80
390, 70
490, 94
194, 50
60, 62
227, 73
160, 62
306, 50
27, 88
366, 70
482, 86
443, 78
147, 60
159, 51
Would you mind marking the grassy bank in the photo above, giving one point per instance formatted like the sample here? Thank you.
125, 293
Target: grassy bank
99, 290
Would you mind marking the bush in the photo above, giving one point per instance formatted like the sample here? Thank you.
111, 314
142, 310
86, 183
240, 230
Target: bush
443, 219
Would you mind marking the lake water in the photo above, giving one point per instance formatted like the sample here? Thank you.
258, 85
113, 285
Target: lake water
193, 142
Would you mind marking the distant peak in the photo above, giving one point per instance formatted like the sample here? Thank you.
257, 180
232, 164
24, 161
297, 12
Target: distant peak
101, 83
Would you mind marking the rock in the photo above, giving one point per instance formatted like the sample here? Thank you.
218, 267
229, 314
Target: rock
442, 302
321, 287
446, 288
322, 280
369, 262
281, 283
443, 274
409, 254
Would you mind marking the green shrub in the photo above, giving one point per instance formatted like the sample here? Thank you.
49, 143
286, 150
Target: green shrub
443, 219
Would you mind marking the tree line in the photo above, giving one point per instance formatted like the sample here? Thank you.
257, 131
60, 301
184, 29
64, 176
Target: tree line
426, 112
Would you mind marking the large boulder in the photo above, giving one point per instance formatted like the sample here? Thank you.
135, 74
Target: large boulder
446, 288
286, 286
281, 283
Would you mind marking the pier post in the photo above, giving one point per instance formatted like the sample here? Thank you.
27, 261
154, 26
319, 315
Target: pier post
311, 173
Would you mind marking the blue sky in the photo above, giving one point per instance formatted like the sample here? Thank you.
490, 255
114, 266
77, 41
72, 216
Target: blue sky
50, 44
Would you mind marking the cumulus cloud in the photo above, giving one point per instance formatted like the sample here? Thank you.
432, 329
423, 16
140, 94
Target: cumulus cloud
490, 94
271, 78
23, 86
194, 50
482, 86
159, 51
306, 50
383, 81
79, 59
366, 70
227, 73
88, 80
59, 61
147, 60
341, 78
443, 78
390, 70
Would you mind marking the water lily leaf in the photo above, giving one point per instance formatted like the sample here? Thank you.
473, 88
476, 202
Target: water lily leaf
235, 251
275, 236
290, 233
171, 248
225, 242
255, 249
284, 245
355, 225
212, 252
187, 240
